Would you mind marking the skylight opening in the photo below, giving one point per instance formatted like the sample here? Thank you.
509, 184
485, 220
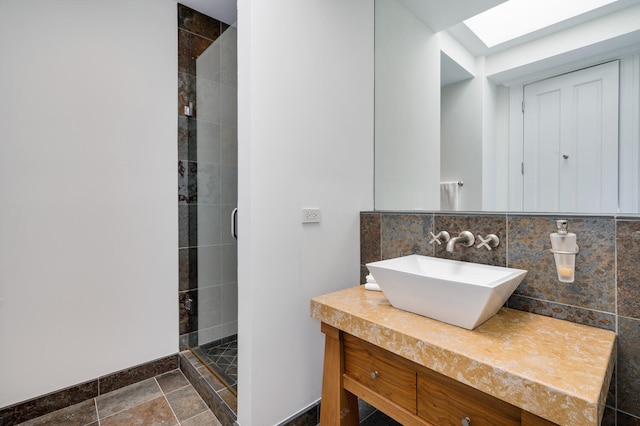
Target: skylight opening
515, 18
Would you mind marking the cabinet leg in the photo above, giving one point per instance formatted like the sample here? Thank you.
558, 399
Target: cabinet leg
338, 407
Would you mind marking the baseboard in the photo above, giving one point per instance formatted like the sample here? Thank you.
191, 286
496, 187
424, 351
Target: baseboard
54, 401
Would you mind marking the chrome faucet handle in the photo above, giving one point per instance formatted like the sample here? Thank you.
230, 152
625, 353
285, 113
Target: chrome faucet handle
492, 241
442, 237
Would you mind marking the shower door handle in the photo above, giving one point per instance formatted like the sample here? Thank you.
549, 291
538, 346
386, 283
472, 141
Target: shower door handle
234, 223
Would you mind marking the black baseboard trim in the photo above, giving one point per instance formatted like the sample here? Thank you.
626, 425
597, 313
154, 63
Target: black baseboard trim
54, 401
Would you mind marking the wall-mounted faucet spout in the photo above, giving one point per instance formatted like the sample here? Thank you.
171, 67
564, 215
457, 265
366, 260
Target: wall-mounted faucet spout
465, 238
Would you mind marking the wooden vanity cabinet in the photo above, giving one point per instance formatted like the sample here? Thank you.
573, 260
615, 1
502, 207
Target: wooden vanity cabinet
444, 401
408, 392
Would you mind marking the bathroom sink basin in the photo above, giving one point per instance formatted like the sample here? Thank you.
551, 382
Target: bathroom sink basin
459, 293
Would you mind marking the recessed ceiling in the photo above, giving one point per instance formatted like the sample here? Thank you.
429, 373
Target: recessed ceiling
440, 15
222, 10
515, 18
473, 43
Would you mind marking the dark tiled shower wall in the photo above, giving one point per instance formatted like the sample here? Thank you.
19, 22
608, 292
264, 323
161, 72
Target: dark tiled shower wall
206, 183
603, 295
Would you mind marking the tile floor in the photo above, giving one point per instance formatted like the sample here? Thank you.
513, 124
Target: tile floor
222, 357
167, 400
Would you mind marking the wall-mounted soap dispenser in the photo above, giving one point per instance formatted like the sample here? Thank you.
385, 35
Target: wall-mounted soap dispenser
564, 249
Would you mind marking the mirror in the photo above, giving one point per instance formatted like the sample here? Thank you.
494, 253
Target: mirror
448, 109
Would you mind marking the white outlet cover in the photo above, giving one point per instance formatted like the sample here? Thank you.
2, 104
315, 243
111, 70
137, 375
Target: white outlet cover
310, 215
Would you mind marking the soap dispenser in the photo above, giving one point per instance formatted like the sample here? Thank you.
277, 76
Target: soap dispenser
564, 249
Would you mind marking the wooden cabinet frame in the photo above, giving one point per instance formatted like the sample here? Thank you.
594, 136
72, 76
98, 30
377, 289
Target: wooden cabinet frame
340, 391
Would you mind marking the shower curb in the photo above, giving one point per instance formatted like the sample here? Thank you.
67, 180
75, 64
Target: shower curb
208, 387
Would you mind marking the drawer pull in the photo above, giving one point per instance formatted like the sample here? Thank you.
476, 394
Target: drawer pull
374, 374
466, 421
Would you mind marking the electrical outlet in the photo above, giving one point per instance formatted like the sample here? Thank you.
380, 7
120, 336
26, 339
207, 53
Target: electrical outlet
310, 215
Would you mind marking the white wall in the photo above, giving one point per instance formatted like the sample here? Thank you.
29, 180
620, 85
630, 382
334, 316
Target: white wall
88, 212
461, 134
407, 127
305, 140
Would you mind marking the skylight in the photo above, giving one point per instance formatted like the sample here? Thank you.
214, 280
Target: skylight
515, 18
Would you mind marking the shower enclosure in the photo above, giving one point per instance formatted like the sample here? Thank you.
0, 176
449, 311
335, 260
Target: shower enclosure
207, 191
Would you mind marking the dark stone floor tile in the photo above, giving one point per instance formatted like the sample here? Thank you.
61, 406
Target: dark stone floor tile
230, 399
379, 419
127, 397
186, 403
80, 414
627, 420
204, 419
365, 409
172, 380
153, 413
38, 407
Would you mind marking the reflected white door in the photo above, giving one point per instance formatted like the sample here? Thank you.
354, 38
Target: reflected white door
571, 142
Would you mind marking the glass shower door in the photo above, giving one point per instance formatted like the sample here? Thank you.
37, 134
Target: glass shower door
207, 188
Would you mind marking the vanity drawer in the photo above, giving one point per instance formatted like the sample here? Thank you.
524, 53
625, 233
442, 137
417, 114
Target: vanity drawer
380, 372
444, 401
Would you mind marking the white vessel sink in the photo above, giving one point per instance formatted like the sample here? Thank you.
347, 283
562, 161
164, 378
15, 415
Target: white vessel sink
459, 293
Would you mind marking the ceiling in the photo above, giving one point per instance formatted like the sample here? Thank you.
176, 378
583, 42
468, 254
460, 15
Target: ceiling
440, 15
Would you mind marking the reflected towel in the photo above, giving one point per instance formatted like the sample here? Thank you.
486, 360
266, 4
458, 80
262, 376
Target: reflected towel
449, 196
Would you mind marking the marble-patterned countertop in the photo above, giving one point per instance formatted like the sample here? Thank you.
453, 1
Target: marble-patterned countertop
555, 369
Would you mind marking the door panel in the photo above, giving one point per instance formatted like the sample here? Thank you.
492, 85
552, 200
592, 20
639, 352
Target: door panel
571, 142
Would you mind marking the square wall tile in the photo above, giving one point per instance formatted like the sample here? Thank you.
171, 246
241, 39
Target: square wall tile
190, 47
187, 94
583, 316
403, 234
229, 302
187, 268
228, 105
628, 367
478, 225
206, 221
207, 145
209, 307
208, 63
198, 23
370, 237
208, 100
229, 145
229, 65
229, 263
628, 244
208, 335
208, 266
208, 184
594, 285
228, 184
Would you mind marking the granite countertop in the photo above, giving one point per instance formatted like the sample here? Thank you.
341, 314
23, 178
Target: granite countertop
555, 369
